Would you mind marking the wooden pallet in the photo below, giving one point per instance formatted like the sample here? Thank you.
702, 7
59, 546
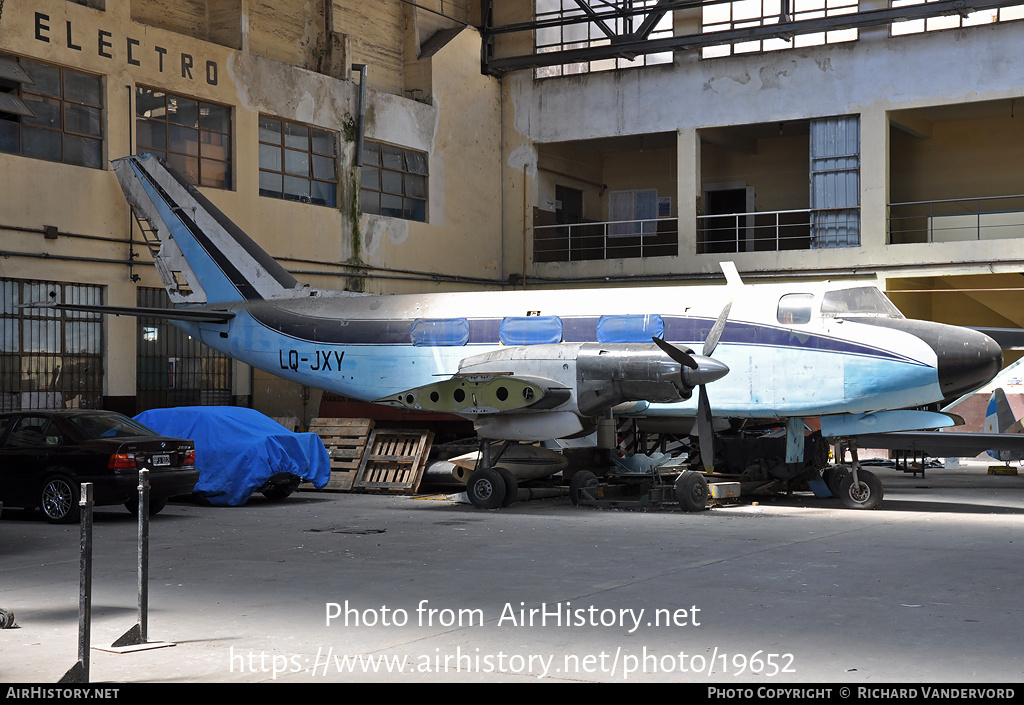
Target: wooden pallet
394, 461
345, 440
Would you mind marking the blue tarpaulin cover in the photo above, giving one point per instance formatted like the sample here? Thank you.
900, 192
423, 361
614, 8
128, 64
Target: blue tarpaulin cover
238, 450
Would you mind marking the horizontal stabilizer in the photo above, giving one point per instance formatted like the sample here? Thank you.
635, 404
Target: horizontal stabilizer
196, 315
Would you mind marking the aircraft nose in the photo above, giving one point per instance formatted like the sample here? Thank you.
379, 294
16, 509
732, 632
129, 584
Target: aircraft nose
967, 359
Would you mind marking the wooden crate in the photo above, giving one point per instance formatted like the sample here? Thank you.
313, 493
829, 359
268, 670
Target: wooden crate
345, 440
394, 461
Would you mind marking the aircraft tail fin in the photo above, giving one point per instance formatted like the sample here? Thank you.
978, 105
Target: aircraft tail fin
999, 417
202, 256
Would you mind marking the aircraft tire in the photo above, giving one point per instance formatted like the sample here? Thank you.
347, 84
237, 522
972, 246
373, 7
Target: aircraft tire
485, 489
511, 486
692, 491
832, 476
867, 494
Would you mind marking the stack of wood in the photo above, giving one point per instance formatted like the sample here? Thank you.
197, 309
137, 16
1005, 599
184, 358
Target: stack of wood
369, 459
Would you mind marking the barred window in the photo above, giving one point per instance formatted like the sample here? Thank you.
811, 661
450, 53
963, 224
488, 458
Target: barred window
566, 27
49, 358
298, 162
393, 181
741, 14
192, 136
50, 112
939, 22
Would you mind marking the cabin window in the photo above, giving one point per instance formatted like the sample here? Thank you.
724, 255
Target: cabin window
191, 136
860, 301
795, 308
440, 331
530, 330
629, 328
393, 181
50, 112
298, 162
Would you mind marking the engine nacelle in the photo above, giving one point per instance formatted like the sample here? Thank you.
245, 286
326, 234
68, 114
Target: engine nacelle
608, 375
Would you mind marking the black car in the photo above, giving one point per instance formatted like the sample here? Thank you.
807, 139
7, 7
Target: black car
45, 456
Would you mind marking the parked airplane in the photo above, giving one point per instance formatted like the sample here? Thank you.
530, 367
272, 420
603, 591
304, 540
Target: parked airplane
540, 365
999, 418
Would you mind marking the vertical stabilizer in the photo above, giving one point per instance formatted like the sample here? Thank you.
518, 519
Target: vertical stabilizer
998, 415
201, 255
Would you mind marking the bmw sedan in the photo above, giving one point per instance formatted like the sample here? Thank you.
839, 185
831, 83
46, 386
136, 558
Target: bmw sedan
45, 455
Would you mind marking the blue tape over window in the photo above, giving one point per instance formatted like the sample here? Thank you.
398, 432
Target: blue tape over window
633, 328
440, 331
531, 330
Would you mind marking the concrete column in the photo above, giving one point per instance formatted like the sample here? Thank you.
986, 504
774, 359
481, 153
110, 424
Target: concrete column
874, 181
688, 190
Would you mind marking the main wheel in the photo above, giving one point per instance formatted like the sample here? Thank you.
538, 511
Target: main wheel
865, 494
583, 478
692, 492
156, 505
486, 489
511, 486
58, 499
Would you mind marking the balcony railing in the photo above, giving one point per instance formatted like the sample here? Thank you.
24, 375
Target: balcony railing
620, 239
774, 231
957, 219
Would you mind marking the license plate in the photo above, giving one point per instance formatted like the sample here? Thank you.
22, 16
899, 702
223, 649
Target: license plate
159, 460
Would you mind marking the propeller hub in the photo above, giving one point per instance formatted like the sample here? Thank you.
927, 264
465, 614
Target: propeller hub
708, 370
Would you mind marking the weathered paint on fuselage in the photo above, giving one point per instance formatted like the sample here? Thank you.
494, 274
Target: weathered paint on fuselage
361, 345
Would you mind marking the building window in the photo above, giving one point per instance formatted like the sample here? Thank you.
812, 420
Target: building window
191, 136
297, 162
761, 13
568, 28
939, 22
49, 359
393, 181
50, 112
171, 367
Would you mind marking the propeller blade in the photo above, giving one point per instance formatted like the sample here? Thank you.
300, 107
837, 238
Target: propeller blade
680, 355
711, 342
705, 430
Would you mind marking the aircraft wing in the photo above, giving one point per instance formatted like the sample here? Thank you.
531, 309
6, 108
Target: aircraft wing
939, 444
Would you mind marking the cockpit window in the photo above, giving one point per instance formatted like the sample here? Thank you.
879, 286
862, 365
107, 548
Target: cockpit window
862, 301
795, 308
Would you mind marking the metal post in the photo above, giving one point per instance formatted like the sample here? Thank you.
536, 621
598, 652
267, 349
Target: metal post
139, 634
79, 673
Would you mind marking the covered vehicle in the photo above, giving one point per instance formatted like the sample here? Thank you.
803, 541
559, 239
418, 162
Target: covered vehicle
46, 455
240, 451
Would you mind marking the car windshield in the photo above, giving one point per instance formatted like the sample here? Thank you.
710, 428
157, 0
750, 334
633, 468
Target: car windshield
109, 426
860, 301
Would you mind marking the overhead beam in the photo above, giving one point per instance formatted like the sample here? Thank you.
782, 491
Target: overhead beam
636, 46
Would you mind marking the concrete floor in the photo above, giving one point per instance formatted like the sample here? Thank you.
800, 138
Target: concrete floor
791, 590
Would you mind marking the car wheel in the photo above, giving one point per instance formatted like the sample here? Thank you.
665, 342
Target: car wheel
156, 505
59, 500
281, 490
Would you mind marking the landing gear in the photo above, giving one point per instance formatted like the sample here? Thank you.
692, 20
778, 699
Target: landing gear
856, 487
864, 492
486, 489
491, 486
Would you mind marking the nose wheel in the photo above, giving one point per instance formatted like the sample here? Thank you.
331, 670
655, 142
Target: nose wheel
855, 487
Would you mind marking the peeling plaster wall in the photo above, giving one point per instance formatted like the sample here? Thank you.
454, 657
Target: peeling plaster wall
460, 133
